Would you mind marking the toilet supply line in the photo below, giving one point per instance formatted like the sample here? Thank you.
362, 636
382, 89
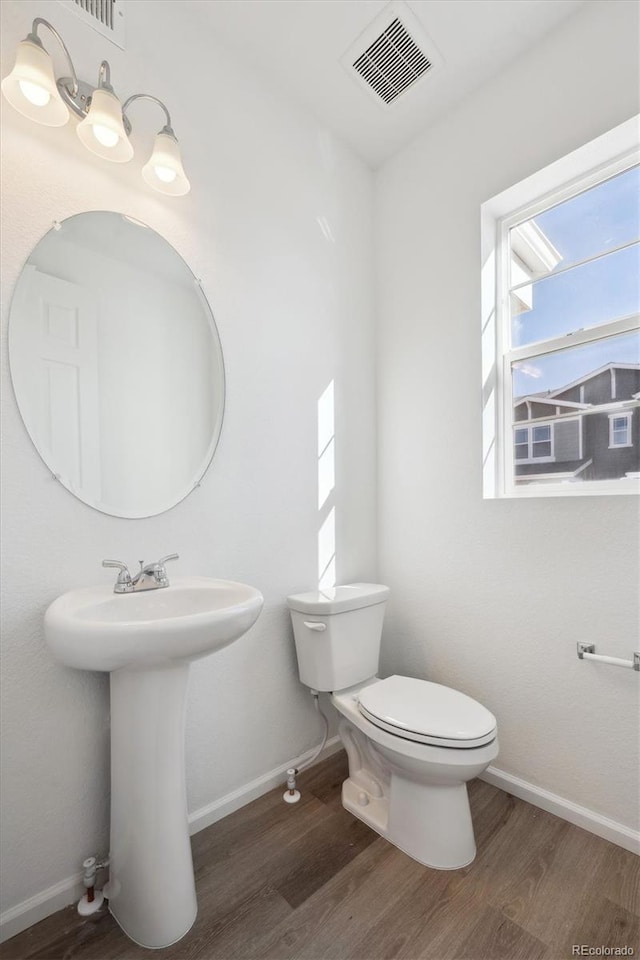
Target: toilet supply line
292, 794
93, 899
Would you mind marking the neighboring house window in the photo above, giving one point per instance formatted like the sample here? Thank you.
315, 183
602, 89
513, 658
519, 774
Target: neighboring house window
561, 338
620, 430
534, 443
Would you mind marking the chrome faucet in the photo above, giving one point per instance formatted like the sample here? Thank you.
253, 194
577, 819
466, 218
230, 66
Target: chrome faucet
150, 576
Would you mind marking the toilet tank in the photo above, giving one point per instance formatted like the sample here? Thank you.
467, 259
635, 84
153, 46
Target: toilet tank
337, 632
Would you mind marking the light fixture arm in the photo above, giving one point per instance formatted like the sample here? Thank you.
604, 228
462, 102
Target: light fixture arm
34, 38
104, 76
147, 96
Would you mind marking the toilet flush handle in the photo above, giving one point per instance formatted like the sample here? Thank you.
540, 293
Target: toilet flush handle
314, 625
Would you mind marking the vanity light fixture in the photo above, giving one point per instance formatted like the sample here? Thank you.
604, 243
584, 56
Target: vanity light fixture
163, 171
33, 90
102, 131
31, 86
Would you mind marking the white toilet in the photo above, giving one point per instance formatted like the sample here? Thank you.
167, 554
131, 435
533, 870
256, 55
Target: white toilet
412, 745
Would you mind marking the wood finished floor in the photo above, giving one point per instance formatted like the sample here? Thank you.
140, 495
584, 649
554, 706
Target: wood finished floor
311, 882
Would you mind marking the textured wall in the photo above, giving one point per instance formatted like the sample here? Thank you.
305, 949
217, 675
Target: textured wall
294, 311
491, 596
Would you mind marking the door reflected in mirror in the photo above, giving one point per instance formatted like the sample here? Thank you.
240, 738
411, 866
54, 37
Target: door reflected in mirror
116, 364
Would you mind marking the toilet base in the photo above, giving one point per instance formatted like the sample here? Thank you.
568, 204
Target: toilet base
431, 824
374, 812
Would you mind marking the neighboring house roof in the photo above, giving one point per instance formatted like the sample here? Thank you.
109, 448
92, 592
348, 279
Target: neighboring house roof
568, 468
594, 373
549, 396
532, 398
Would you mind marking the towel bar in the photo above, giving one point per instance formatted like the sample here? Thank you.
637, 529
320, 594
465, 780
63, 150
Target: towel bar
586, 651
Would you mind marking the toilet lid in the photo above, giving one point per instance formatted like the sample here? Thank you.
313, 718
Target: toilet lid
427, 713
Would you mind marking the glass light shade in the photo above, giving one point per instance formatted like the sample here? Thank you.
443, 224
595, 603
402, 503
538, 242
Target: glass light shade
164, 171
102, 131
31, 87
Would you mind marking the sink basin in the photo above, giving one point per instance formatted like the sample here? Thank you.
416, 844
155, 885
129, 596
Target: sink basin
146, 641
96, 629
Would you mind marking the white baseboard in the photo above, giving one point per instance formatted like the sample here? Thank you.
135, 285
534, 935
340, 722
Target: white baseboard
43, 904
565, 809
212, 812
36, 908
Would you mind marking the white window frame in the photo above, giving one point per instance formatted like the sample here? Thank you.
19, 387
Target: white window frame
530, 427
600, 160
629, 441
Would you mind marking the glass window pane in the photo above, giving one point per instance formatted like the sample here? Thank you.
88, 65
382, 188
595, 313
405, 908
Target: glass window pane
541, 450
620, 431
596, 292
573, 390
593, 222
522, 452
521, 436
554, 373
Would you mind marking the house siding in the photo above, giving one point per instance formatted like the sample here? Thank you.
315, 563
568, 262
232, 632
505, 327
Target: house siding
627, 383
610, 463
573, 395
566, 440
596, 390
539, 410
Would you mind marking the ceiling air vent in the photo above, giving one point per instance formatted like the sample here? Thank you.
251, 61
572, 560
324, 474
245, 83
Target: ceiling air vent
105, 16
392, 63
392, 54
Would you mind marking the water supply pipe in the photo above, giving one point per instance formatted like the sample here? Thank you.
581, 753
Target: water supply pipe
93, 899
292, 794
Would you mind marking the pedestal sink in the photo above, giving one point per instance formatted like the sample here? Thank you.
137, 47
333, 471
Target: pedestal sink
146, 641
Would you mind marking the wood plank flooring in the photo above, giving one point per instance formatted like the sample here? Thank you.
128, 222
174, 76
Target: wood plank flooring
310, 882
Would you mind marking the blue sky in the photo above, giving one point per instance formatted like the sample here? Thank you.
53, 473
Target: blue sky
591, 223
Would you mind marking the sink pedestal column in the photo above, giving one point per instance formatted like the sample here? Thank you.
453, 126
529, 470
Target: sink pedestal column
151, 886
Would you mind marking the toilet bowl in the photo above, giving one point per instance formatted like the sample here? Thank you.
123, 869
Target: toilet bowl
413, 792
412, 745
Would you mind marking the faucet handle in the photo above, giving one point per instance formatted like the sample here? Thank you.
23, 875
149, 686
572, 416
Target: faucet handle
123, 583
159, 572
124, 569
170, 556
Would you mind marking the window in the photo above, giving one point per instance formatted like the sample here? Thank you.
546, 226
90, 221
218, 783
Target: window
561, 336
534, 443
620, 430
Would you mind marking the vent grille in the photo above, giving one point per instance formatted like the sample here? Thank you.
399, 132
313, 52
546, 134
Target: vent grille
392, 63
104, 16
101, 10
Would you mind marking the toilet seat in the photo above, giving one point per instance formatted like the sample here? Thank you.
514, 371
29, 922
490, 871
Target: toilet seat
427, 712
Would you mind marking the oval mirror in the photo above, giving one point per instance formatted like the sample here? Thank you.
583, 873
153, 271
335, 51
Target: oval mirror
116, 364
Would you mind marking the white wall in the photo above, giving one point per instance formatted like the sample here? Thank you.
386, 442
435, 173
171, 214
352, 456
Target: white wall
491, 596
294, 311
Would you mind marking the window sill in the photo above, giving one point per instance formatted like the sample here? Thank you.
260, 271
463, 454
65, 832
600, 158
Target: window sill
576, 488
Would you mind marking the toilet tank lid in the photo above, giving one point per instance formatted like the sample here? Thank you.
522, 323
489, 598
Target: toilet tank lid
329, 600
